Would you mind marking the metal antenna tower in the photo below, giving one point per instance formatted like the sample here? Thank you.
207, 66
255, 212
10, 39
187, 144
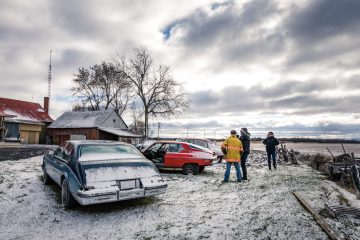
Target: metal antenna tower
49, 76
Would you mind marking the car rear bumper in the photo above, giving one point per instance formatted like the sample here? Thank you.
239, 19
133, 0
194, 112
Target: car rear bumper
96, 196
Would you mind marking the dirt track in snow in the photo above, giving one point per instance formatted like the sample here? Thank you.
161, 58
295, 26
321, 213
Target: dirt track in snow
23, 151
194, 207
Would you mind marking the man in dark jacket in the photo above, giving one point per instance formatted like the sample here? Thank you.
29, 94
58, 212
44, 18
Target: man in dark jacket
245, 140
270, 143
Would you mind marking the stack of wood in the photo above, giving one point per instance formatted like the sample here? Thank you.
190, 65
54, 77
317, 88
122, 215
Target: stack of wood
286, 155
345, 168
339, 210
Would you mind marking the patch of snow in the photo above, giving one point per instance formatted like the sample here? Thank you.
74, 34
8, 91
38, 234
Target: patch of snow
105, 174
19, 116
194, 207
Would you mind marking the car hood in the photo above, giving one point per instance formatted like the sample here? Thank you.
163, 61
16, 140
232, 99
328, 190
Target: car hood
104, 174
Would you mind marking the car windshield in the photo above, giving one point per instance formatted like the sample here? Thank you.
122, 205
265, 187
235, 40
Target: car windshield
105, 152
201, 143
148, 143
197, 147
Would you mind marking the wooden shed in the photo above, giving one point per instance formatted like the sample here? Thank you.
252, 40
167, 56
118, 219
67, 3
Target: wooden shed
91, 125
24, 121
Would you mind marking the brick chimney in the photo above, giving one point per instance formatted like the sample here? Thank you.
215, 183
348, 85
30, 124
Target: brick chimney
46, 104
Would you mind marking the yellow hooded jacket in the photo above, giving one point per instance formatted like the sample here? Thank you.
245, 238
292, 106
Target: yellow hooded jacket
234, 149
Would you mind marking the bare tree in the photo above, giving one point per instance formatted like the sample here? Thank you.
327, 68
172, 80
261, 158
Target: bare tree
137, 125
86, 88
102, 86
159, 93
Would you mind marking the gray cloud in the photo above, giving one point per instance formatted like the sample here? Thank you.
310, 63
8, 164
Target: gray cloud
292, 97
234, 33
259, 130
78, 18
323, 31
288, 41
192, 125
323, 19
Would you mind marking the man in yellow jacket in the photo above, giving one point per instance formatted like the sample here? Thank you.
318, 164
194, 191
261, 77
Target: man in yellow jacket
234, 149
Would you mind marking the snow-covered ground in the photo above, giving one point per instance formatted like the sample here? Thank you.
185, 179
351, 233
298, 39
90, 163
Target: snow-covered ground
194, 207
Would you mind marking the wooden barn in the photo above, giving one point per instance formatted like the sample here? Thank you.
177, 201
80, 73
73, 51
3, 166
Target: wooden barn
91, 125
23, 121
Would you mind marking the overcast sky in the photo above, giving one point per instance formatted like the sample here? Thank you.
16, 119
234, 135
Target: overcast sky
288, 66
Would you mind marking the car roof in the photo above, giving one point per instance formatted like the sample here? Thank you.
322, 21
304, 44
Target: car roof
97, 142
202, 139
170, 141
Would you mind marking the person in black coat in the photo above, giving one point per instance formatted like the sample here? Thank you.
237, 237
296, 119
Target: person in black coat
271, 142
245, 140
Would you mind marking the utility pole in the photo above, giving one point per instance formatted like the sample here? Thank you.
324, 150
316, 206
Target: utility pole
158, 131
204, 133
49, 83
187, 132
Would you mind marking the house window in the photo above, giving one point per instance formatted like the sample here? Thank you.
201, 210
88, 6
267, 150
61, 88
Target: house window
114, 123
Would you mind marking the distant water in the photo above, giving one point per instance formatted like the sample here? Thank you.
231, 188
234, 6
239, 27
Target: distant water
314, 148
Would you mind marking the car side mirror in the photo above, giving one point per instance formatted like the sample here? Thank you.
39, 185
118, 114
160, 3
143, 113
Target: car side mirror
50, 152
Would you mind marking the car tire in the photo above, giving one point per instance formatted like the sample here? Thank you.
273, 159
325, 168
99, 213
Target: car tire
46, 179
190, 169
201, 169
67, 200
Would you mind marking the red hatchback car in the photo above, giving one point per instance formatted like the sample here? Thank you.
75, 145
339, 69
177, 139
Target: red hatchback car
192, 159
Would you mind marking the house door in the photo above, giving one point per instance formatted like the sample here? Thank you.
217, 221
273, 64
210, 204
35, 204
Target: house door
32, 138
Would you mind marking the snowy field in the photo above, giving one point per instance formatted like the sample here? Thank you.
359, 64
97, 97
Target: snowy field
194, 207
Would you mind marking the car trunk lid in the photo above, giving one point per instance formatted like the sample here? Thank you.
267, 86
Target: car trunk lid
124, 174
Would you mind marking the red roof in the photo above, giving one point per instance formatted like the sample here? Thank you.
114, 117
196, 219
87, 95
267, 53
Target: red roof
24, 111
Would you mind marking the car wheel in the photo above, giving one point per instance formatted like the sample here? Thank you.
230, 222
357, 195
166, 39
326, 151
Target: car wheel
46, 179
67, 200
201, 169
191, 169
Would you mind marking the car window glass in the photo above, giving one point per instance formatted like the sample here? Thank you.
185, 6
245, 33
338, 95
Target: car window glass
197, 147
164, 148
58, 152
111, 149
174, 147
201, 143
68, 151
155, 147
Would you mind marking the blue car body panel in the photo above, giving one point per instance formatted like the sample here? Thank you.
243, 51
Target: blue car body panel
65, 164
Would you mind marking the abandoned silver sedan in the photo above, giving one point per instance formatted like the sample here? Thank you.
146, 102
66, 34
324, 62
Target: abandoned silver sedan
92, 172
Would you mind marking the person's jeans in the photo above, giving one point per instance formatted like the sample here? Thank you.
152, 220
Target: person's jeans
228, 168
244, 156
273, 156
